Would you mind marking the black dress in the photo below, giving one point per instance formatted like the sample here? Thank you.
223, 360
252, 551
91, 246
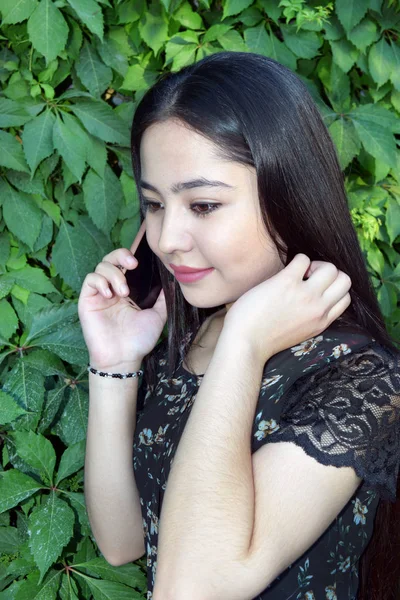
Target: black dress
336, 395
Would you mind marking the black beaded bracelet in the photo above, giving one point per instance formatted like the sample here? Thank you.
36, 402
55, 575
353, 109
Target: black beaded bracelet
115, 375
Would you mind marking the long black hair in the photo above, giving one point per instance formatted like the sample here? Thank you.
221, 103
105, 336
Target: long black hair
259, 113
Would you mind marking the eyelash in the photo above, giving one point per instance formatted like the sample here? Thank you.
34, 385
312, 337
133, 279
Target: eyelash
147, 204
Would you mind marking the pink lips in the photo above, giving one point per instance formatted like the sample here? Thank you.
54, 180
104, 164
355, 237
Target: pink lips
184, 269
194, 275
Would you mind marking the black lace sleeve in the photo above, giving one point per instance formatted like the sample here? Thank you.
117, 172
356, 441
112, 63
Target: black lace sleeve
348, 414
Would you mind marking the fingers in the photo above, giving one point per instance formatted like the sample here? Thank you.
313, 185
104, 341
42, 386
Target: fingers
337, 290
109, 275
338, 309
121, 258
326, 280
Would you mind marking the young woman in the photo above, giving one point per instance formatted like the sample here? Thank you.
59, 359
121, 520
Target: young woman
266, 428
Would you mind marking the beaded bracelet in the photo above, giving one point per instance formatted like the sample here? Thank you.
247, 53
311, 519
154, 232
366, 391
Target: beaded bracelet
115, 375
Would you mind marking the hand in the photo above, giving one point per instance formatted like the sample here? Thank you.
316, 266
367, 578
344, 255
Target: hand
117, 333
285, 310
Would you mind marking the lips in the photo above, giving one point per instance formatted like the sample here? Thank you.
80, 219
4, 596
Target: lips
184, 270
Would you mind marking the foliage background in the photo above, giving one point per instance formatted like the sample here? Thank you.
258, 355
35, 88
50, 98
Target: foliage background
71, 73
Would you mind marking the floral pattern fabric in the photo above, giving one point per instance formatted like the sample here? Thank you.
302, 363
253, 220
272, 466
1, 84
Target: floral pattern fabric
336, 395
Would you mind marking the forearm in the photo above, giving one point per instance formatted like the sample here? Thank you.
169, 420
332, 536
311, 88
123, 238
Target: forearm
111, 494
208, 511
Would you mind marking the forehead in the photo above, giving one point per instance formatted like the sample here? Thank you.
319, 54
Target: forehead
171, 151
172, 136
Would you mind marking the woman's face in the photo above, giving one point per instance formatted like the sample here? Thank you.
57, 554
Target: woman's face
231, 238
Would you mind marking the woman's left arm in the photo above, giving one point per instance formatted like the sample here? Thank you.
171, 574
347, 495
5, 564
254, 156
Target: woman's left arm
207, 516
227, 525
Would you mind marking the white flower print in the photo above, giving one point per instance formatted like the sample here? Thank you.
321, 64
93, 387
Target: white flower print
341, 349
359, 511
306, 346
265, 428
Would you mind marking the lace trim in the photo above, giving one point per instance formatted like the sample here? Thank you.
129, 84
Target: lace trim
348, 414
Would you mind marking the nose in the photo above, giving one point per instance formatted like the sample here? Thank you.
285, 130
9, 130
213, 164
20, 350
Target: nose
175, 235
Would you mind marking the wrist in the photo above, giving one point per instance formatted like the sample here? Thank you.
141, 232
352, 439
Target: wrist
233, 340
118, 367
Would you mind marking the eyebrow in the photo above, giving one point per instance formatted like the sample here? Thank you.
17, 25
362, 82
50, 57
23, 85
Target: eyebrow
188, 185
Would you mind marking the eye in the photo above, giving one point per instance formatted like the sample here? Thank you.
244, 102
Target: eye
153, 207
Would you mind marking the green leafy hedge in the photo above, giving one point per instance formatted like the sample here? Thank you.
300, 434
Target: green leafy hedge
71, 74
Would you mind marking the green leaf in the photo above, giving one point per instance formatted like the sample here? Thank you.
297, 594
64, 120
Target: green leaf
113, 55
37, 138
96, 155
48, 30
177, 44
233, 7
212, 34
387, 299
346, 141
304, 44
66, 343
26, 385
37, 452
10, 540
187, 17
333, 29
51, 318
9, 409
393, 219
344, 54
376, 113
90, 14
381, 61
258, 40
13, 113
22, 216
15, 487
375, 259
15, 11
33, 279
103, 198
395, 74
78, 503
232, 40
8, 319
108, 590
350, 12
46, 590
138, 78
77, 250
364, 34
69, 140
281, 53
376, 141
375, 5
129, 574
50, 530
71, 461
72, 425
153, 27
395, 100
93, 73
339, 89
101, 121
12, 155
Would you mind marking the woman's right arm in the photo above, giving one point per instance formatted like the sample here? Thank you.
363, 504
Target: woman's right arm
118, 335
111, 494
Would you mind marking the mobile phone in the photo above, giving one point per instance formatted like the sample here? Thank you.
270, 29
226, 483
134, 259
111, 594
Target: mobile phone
144, 281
